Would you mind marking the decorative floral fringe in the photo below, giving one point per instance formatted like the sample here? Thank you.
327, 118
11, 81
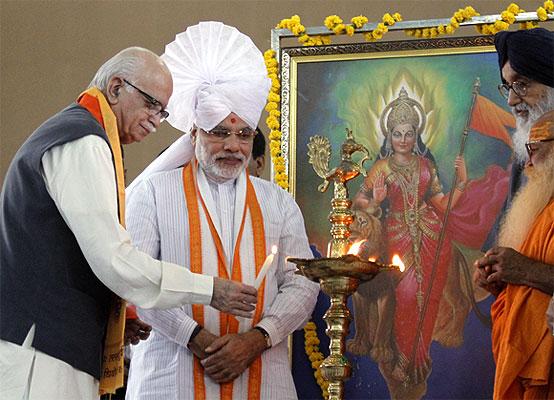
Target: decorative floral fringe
311, 344
462, 15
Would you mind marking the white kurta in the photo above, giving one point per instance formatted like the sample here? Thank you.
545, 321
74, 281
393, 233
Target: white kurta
162, 366
79, 176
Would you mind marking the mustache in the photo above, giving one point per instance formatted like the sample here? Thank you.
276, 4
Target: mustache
224, 154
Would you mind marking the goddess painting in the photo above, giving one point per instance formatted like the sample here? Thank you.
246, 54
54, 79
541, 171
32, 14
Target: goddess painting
400, 208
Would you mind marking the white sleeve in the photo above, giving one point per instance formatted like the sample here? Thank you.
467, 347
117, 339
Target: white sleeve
80, 178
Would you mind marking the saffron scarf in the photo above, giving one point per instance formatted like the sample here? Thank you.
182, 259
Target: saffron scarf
196, 207
112, 359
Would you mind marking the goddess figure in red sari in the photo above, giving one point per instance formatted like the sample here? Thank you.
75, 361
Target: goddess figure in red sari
403, 189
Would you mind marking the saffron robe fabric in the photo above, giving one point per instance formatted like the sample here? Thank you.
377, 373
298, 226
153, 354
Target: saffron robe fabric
523, 345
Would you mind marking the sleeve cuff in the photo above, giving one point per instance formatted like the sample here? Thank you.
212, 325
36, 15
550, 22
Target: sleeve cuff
195, 288
271, 330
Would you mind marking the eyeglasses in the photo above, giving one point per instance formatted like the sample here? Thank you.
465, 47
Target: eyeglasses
154, 105
531, 143
245, 135
519, 88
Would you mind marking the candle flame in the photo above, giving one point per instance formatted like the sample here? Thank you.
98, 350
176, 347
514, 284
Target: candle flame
372, 259
355, 248
274, 249
396, 260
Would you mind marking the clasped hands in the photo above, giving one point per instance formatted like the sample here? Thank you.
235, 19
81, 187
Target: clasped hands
225, 358
500, 266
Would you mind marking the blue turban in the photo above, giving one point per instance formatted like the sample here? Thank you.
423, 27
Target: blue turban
530, 52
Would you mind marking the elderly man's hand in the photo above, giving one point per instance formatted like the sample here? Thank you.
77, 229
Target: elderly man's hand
234, 297
232, 354
503, 264
480, 278
136, 330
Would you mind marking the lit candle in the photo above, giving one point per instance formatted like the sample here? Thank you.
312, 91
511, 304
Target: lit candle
265, 267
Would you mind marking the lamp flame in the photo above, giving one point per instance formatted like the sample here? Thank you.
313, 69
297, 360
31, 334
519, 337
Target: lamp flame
396, 260
372, 259
355, 248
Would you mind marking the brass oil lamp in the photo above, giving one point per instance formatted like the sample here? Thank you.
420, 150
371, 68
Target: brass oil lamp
340, 274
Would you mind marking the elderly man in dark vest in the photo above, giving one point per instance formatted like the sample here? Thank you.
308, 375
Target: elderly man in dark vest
66, 260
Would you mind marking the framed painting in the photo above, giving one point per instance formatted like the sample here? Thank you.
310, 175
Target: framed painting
410, 103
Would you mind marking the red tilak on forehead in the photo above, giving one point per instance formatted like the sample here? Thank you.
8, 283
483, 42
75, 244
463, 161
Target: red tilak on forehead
233, 120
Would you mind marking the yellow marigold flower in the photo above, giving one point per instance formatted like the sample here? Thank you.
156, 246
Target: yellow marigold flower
295, 18
434, 32
325, 39
271, 70
274, 135
508, 17
450, 29
271, 76
377, 34
272, 122
338, 29
271, 62
331, 21
303, 38
397, 17
368, 37
310, 325
541, 14
425, 33
274, 97
270, 106
454, 22
281, 176
418, 33
269, 53
501, 26
469, 12
479, 28
441, 29
514, 8
279, 168
359, 21
388, 19
350, 30
275, 113
549, 6
459, 16
487, 29
409, 32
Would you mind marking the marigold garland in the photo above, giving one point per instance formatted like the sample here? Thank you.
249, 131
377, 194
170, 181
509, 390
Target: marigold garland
462, 15
311, 344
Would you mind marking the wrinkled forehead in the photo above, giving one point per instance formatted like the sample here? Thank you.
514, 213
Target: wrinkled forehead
543, 129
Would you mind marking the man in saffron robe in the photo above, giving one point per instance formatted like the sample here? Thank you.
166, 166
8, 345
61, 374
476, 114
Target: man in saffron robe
520, 272
212, 217
66, 260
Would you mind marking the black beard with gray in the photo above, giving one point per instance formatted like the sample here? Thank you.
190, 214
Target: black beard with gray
521, 134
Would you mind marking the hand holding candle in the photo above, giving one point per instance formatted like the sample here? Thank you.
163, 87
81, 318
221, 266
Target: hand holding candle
265, 267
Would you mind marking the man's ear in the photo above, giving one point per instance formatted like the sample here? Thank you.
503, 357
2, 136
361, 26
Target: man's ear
113, 90
193, 134
260, 164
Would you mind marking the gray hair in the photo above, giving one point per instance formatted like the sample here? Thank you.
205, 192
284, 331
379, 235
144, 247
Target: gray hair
127, 64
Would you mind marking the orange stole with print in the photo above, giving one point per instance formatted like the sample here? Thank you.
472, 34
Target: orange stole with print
112, 359
227, 323
523, 346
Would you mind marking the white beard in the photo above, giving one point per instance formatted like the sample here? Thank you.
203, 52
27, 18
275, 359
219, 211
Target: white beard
528, 203
523, 125
208, 163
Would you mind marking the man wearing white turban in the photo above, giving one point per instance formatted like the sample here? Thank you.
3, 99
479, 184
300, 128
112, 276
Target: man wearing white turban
212, 217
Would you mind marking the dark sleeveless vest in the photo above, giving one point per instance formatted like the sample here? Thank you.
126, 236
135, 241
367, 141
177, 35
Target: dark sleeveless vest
44, 277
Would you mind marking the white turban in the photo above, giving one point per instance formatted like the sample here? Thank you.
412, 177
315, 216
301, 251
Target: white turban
216, 70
